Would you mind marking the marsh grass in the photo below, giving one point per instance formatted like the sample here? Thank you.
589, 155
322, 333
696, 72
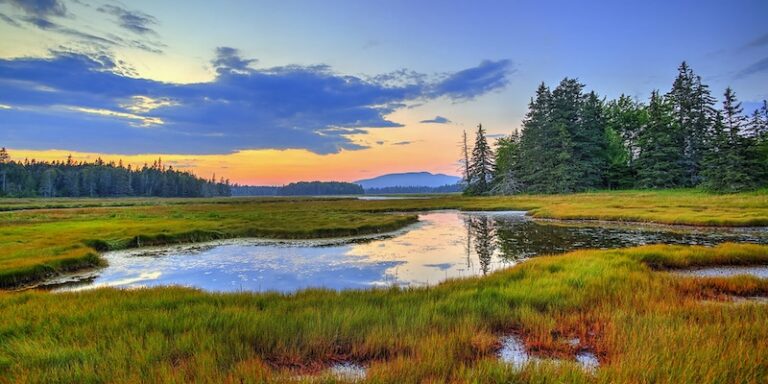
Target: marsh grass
645, 326
40, 238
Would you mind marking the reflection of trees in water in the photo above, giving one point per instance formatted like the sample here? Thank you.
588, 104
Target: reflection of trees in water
482, 230
516, 238
521, 239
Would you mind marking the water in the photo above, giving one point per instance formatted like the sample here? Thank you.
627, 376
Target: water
513, 352
760, 271
443, 245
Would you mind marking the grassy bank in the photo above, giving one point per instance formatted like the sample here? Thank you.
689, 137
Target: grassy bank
37, 241
645, 325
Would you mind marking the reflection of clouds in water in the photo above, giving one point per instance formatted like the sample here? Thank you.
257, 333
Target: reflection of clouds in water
443, 266
132, 281
444, 244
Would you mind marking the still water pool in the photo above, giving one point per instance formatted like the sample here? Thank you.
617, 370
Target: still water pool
443, 245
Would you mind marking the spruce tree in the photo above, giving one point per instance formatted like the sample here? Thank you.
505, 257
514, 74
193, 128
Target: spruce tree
564, 124
589, 145
5, 158
728, 166
625, 119
506, 180
481, 165
660, 162
536, 165
693, 109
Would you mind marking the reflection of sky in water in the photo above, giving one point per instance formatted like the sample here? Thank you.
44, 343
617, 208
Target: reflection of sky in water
445, 244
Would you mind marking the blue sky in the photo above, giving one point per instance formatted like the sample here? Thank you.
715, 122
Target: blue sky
325, 81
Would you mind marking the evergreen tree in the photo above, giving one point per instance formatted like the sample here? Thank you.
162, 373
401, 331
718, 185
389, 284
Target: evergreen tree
564, 121
4, 159
506, 180
4, 156
465, 159
728, 167
693, 109
536, 165
660, 161
758, 125
625, 119
481, 165
100, 179
589, 145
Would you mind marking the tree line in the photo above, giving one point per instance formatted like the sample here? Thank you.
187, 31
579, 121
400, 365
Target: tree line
574, 141
70, 178
448, 188
302, 188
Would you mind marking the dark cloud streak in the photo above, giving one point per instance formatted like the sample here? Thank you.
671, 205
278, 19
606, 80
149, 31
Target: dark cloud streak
135, 21
760, 66
436, 120
9, 20
758, 42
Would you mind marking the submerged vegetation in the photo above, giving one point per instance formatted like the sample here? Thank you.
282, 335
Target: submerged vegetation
37, 242
643, 324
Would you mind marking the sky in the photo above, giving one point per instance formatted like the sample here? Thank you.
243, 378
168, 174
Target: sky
269, 92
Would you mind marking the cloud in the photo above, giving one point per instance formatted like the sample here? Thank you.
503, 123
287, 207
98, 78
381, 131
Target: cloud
9, 20
473, 82
134, 21
86, 102
145, 121
758, 42
436, 120
39, 13
757, 67
402, 143
39, 8
229, 60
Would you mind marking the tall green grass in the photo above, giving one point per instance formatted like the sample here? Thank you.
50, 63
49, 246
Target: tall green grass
39, 238
645, 325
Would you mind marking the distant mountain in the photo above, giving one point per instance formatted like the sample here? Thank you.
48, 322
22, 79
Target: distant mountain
409, 179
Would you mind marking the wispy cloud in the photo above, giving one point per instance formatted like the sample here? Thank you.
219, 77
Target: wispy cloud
757, 67
144, 121
758, 41
473, 82
436, 120
51, 15
305, 107
228, 60
134, 21
9, 20
39, 8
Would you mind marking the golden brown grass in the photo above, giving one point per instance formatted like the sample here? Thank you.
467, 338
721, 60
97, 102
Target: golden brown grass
37, 241
645, 325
